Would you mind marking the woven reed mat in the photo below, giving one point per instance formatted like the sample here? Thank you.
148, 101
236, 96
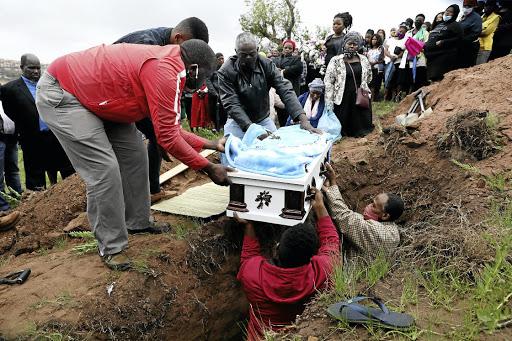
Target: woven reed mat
202, 201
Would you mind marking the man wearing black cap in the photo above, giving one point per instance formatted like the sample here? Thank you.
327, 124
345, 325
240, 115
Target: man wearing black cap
217, 112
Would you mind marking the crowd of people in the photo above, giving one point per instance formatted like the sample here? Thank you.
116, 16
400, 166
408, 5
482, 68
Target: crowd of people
413, 54
87, 113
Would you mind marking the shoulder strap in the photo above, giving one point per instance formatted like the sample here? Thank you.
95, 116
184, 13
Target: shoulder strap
353, 74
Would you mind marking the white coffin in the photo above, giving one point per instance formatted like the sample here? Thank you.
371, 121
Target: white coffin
275, 200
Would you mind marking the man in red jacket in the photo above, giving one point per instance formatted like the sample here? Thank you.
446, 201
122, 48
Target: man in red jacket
279, 288
91, 99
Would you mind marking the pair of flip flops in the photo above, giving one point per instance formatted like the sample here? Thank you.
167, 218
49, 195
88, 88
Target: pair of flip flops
360, 314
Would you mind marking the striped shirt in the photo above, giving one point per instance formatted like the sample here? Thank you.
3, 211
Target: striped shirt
361, 238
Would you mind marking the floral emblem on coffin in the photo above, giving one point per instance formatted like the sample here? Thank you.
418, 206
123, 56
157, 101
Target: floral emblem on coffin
264, 198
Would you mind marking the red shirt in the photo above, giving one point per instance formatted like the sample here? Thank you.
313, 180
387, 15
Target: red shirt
127, 82
277, 295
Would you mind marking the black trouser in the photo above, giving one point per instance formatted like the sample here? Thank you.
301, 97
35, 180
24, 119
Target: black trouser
468, 52
43, 153
145, 126
282, 116
217, 113
188, 109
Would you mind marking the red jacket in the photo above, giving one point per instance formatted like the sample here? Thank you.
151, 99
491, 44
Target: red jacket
127, 82
277, 295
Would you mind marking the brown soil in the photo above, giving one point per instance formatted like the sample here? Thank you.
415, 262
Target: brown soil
189, 289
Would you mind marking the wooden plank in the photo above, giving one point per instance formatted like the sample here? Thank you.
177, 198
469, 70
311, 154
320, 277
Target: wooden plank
180, 168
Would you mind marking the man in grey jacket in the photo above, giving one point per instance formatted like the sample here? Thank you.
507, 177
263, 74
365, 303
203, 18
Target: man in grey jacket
245, 80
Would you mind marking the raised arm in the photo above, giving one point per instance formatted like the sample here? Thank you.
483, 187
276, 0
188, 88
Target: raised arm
251, 246
327, 235
161, 82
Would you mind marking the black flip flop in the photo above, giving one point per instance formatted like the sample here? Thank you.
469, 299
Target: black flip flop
359, 314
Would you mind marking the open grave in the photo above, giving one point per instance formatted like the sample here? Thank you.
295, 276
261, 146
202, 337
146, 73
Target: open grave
184, 286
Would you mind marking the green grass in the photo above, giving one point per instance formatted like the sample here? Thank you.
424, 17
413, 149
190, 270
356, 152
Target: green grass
140, 265
49, 333
61, 244
59, 302
90, 246
377, 270
182, 228
12, 196
497, 182
203, 132
383, 108
5, 260
482, 302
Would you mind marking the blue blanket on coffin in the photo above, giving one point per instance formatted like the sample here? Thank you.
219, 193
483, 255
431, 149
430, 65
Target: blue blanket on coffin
282, 154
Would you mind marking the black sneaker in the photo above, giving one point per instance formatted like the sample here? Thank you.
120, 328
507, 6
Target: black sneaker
155, 228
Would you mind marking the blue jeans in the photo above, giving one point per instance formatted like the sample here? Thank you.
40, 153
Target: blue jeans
232, 128
9, 166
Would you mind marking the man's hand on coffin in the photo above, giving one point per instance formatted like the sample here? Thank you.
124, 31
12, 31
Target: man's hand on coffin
219, 173
304, 124
249, 225
217, 145
330, 177
318, 203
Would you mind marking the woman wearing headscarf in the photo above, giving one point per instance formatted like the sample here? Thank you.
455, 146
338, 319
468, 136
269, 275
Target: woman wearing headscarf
443, 43
334, 43
345, 74
313, 102
437, 20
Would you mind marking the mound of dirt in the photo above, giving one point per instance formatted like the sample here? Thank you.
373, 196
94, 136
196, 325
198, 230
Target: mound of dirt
43, 217
187, 289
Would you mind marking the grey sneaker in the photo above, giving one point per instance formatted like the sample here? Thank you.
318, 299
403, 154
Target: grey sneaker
117, 261
155, 228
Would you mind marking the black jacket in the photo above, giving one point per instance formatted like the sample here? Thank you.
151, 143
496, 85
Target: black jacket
154, 36
247, 100
450, 35
292, 67
19, 105
212, 83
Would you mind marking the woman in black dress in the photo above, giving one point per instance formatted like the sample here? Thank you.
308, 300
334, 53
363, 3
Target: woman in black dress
345, 74
441, 48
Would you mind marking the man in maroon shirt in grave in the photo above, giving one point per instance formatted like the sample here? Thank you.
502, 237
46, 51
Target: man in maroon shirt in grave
279, 288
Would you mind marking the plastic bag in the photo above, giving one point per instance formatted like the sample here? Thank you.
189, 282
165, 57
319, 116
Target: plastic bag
329, 123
